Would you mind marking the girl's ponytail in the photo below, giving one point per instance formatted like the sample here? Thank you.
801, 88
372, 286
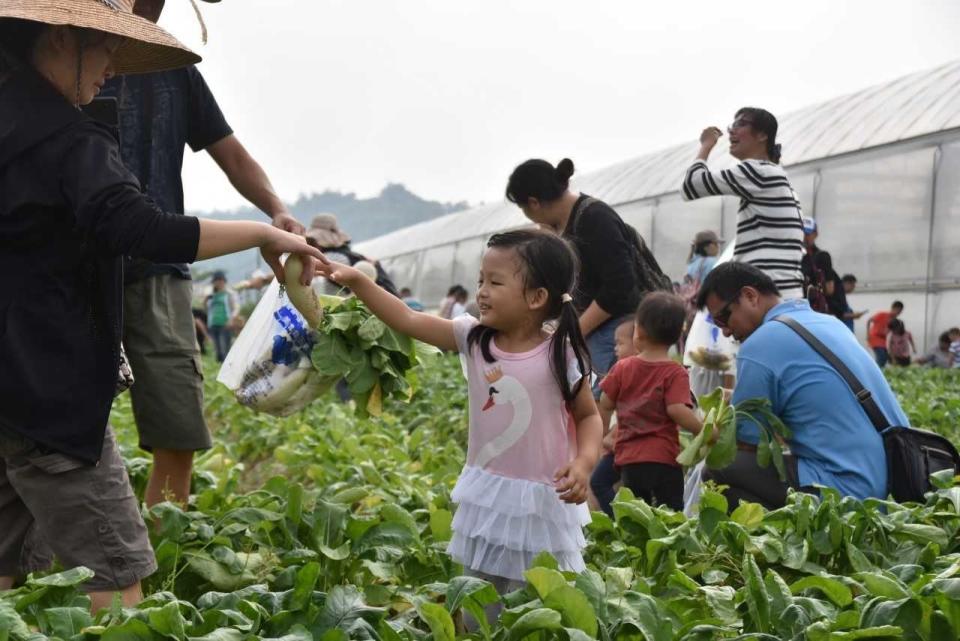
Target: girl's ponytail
568, 337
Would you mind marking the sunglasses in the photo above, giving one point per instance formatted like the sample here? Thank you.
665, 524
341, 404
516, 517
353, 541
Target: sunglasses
722, 315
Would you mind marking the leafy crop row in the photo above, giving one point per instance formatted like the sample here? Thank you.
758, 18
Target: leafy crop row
328, 526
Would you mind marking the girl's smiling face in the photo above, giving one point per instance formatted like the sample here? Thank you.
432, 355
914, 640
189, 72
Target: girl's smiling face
502, 295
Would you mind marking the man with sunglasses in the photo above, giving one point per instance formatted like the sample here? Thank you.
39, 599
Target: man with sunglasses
833, 442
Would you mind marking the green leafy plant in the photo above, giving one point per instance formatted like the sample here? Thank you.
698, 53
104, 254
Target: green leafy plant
376, 361
329, 525
716, 443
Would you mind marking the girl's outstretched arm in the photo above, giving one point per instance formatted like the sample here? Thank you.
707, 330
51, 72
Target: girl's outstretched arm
391, 310
573, 479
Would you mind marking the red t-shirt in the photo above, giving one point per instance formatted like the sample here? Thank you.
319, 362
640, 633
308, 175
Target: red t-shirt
641, 391
878, 329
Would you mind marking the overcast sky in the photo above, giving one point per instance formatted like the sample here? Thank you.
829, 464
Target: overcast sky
447, 96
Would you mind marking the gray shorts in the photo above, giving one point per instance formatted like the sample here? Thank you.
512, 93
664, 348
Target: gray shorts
161, 343
84, 514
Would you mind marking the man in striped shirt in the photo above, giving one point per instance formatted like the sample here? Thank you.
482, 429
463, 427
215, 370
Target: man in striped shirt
769, 221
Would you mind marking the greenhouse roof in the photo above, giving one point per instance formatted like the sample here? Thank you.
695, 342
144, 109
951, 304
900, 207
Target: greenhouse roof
919, 104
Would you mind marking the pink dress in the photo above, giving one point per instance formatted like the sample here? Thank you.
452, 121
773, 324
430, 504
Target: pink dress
520, 434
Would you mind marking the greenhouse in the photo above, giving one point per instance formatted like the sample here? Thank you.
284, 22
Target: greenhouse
878, 169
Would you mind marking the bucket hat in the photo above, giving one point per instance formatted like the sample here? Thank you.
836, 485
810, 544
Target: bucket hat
326, 232
145, 48
706, 236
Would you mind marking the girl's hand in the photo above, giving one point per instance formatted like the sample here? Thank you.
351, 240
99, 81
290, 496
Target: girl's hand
341, 274
572, 481
710, 136
277, 242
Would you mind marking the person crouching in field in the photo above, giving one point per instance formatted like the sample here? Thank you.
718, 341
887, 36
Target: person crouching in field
606, 475
651, 394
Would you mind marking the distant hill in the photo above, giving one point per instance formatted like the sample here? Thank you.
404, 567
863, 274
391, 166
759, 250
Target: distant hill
362, 218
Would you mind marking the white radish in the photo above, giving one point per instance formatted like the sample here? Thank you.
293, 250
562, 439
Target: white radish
302, 296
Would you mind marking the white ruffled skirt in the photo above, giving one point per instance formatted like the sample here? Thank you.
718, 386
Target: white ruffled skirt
502, 523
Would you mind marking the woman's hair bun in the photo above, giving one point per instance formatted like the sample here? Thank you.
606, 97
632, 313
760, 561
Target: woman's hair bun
564, 170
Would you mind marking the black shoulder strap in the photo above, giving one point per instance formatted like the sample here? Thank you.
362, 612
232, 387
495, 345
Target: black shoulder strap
864, 397
579, 209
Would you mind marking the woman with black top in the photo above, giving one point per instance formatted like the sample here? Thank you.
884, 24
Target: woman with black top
833, 291
69, 210
608, 290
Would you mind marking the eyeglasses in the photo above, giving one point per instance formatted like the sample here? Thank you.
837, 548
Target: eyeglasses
722, 315
739, 122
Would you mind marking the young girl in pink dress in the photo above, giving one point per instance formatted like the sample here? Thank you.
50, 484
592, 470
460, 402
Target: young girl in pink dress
528, 467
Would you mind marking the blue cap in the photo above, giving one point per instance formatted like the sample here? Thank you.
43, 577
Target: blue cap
809, 225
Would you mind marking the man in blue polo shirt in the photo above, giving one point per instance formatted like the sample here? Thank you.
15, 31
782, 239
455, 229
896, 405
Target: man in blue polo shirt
834, 444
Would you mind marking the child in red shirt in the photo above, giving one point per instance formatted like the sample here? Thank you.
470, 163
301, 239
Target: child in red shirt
651, 394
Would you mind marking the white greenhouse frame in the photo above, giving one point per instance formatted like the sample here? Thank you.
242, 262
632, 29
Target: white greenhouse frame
878, 169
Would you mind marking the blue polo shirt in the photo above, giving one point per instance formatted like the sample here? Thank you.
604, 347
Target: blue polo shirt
834, 441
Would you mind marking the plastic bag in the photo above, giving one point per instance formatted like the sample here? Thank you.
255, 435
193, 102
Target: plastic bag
692, 488
706, 346
269, 367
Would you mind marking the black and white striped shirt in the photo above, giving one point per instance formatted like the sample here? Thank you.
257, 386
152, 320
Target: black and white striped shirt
769, 220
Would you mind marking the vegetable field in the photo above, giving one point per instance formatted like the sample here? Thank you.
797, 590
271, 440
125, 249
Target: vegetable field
328, 526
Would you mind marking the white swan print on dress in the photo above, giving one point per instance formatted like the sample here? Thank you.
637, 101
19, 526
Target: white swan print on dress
504, 390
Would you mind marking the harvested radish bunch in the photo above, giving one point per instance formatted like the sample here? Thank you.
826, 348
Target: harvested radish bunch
376, 361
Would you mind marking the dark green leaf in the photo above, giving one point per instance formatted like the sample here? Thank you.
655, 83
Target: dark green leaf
574, 608
441, 625
343, 608
463, 587
534, 621
834, 590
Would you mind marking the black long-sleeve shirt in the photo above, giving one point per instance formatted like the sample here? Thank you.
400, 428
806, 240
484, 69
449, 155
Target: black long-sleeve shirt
69, 210
608, 262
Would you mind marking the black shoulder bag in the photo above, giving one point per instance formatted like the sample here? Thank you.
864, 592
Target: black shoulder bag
912, 454
650, 277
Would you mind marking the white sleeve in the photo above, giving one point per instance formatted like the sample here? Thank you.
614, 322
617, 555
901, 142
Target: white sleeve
747, 181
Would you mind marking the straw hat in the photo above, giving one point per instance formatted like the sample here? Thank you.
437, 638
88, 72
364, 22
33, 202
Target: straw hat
146, 46
325, 231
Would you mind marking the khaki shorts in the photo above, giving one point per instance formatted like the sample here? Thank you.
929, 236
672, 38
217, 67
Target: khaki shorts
161, 343
84, 514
